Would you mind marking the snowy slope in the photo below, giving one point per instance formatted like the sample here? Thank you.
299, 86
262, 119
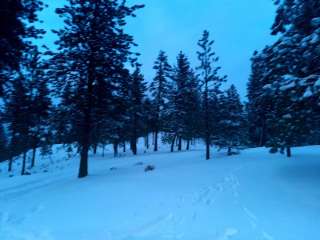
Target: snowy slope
254, 196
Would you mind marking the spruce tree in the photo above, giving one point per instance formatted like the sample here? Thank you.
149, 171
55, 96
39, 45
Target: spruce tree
137, 94
17, 20
232, 121
211, 82
40, 102
92, 51
17, 116
159, 91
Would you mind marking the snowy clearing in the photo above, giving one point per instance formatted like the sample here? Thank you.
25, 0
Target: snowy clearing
254, 195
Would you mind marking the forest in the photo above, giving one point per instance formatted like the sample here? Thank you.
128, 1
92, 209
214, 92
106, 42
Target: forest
90, 91
209, 129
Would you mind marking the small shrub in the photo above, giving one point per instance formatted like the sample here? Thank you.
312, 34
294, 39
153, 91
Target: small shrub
149, 168
273, 150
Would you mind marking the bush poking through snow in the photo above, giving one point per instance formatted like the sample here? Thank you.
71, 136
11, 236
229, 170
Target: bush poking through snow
149, 168
273, 150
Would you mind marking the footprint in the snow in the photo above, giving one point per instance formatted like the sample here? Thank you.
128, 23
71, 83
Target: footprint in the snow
267, 236
229, 233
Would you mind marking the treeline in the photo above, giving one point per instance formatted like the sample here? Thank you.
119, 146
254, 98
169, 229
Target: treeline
90, 91
284, 87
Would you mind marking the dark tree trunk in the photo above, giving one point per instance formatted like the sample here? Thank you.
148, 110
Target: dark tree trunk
147, 141
124, 147
172, 143
86, 127
95, 149
103, 147
188, 145
262, 140
115, 149
134, 146
289, 154
156, 141
23, 170
207, 148
180, 144
282, 150
83, 169
33, 160
10, 164
229, 151
207, 130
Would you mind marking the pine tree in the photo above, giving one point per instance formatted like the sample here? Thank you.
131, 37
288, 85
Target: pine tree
232, 121
17, 20
17, 112
289, 73
211, 82
93, 50
183, 104
40, 102
159, 91
137, 95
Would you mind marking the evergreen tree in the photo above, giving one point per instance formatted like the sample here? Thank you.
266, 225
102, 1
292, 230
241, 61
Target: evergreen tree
232, 121
136, 94
159, 91
40, 102
287, 73
183, 104
211, 82
16, 24
93, 50
17, 117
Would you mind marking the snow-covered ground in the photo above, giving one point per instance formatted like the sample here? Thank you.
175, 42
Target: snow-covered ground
251, 196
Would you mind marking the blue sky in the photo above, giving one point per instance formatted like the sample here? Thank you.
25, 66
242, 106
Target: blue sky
238, 26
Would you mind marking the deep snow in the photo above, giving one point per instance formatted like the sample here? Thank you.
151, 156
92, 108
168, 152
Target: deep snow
251, 196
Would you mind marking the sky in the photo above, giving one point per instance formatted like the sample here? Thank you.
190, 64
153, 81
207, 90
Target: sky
239, 27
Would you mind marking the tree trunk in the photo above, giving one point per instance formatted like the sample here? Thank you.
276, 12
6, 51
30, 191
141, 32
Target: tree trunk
156, 141
10, 164
115, 149
86, 124
103, 147
262, 140
33, 160
289, 152
180, 144
229, 151
172, 143
134, 146
207, 130
95, 149
207, 148
83, 169
147, 141
188, 145
124, 147
23, 170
